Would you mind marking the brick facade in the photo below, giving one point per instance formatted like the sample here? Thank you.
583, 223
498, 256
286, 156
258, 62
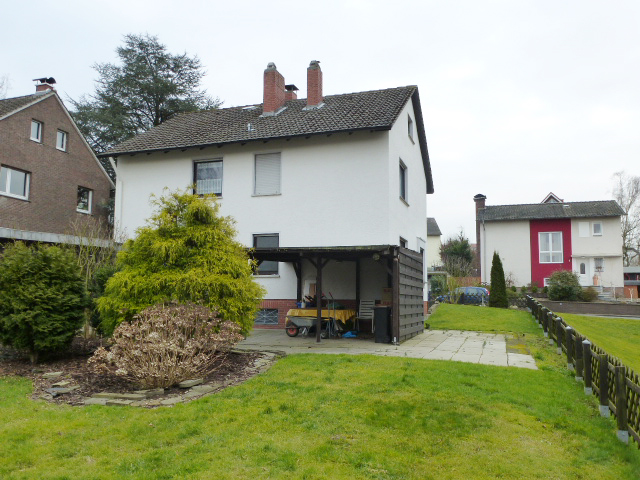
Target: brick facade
54, 175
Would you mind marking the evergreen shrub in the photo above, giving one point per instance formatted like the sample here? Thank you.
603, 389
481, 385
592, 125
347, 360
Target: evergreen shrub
42, 299
498, 292
564, 285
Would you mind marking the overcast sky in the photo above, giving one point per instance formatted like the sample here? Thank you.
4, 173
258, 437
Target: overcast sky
519, 98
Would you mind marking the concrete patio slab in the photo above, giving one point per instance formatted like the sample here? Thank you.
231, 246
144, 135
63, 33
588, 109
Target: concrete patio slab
471, 347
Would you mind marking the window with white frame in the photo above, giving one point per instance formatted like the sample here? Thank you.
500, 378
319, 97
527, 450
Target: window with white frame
208, 177
410, 127
267, 316
597, 229
550, 244
36, 131
14, 183
403, 181
546, 282
267, 174
85, 196
262, 241
599, 264
61, 141
403, 242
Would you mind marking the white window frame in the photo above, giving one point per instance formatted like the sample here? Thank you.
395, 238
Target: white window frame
410, 127
4, 189
272, 272
595, 264
89, 203
593, 229
546, 282
64, 136
195, 175
259, 191
38, 137
551, 250
403, 185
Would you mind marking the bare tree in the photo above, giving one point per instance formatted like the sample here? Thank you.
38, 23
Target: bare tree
626, 192
4, 86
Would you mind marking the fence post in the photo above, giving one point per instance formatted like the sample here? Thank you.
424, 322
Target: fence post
586, 354
569, 342
579, 361
551, 326
545, 325
603, 371
558, 321
543, 311
621, 404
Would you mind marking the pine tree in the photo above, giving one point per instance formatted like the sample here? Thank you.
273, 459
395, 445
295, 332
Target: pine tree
498, 297
186, 253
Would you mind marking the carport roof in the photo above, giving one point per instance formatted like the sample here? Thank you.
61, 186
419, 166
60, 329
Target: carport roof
292, 254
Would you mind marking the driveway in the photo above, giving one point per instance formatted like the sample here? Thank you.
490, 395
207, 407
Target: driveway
471, 347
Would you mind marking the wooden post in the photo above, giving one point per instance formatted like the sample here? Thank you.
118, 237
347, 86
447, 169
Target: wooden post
357, 287
621, 404
579, 362
318, 298
395, 312
568, 340
586, 354
297, 267
603, 372
558, 321
551, 323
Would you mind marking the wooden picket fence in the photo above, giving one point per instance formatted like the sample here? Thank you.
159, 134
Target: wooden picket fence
616, 385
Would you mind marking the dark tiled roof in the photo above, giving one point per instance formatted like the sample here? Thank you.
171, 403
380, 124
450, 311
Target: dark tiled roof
367, 110
9, 105
603, 208
432, 227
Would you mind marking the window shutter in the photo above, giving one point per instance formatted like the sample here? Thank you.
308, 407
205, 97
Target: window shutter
267, 174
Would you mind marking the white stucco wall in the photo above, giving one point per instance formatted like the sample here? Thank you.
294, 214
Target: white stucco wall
513, 243
607, 246
434, 242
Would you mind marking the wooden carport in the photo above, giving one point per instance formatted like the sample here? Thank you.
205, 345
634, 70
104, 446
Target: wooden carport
404, 276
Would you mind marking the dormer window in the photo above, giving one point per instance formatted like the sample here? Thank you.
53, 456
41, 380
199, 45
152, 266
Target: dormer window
410, 127
36, 131
61, 141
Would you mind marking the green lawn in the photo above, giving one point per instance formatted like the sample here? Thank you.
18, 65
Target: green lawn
619, 337
331, 417
481, 319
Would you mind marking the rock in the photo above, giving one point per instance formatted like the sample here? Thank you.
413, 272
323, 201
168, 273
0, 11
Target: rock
120, 396
60, 391
51, 374
153, 392
95, 401
63, 383
171, 401
191, 383
202, 389
118, 402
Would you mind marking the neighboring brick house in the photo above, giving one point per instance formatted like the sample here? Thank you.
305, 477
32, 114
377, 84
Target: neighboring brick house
534, 240
338, 178
49, 176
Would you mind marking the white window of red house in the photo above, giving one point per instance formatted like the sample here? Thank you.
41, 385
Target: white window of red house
550, 244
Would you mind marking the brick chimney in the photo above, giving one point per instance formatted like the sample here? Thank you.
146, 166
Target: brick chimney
290, 92
480, 205
314, 84
274, 95
44, 84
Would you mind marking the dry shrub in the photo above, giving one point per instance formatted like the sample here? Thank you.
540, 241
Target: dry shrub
166, 344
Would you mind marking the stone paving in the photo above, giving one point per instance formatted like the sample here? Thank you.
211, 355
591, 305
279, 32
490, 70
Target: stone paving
472, 347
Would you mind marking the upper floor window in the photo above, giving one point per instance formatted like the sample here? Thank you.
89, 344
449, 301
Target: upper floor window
208, 177
550, 247
267, 174
36, 131
597, 229
61, 141
14, 183
271, 240
410, 127
403, 181
85, 195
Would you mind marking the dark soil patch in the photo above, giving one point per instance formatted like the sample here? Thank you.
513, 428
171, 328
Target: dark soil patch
230, 369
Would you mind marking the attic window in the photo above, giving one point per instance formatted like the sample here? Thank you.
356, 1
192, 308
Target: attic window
597, 229
36, 131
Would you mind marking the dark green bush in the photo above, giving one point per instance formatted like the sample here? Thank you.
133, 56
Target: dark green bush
588, 294
498, 291
514, 288
534, 287
545, 290
42, 299
564, 285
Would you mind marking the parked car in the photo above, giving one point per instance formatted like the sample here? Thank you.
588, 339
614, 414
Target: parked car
466, 296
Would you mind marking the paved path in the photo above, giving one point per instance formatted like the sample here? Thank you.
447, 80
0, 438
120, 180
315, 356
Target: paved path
472, 347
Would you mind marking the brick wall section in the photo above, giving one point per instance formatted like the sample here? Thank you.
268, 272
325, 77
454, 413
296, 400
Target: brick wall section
314, 84
274, 93
580, 308
284, 305
55, 175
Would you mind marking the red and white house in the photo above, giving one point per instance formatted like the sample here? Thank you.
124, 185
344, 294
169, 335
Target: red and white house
535, 240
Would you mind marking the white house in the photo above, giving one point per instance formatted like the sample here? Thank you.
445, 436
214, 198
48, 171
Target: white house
339, 179
434, 242
534, 240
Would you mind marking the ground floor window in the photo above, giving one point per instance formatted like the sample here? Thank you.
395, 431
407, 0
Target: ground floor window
267, 316
14, 183
271, 240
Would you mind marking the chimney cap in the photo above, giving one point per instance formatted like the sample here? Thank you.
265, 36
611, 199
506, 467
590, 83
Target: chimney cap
479, 196
291, 88
271, 66
314, 64
49, 80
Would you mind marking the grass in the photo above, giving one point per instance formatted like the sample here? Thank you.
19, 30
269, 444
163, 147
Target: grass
619, 337
481, 319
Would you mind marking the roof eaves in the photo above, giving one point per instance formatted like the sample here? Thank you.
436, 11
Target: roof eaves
38, 98
422, 139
